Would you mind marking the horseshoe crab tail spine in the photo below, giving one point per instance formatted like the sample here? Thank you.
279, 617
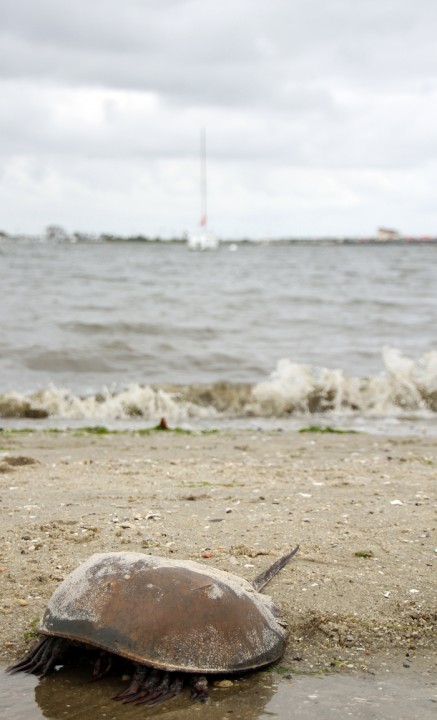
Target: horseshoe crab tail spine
263, 578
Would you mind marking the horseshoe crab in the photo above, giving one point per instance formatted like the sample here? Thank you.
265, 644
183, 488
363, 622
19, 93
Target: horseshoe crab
174, 620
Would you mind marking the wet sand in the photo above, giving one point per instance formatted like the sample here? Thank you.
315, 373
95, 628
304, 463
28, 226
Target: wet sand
261, 696
360, 596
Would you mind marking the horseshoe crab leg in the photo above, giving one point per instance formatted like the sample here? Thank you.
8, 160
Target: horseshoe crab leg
43, 657
168, 687
199, 688
102, 665
140, 674
141, 687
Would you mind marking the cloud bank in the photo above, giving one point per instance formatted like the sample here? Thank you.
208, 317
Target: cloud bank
319, 115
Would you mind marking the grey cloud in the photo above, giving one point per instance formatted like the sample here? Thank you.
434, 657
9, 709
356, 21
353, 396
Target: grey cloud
284, 86
236, 52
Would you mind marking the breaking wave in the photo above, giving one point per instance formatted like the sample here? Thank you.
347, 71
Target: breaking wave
404, 388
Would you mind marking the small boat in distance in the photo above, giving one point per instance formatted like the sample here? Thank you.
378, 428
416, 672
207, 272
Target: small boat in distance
202, 239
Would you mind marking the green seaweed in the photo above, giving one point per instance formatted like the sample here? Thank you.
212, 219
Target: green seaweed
33, 632
281, 669
200, 483
103, 430
326, 429
93, 430
159, 428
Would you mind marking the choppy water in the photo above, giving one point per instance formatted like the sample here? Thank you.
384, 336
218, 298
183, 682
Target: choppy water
133, 331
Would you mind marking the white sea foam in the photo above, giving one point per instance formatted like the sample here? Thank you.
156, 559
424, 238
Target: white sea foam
136, 401
405, 388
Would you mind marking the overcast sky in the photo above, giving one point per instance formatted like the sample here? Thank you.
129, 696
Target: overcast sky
321, 115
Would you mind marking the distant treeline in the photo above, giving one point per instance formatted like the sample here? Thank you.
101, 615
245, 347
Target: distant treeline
56, 233
139, 238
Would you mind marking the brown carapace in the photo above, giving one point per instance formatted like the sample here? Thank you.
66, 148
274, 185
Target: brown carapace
176, 621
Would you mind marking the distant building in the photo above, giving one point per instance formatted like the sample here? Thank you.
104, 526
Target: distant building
384, 234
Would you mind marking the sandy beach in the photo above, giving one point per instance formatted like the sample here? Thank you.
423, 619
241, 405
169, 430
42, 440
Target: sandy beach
361, 592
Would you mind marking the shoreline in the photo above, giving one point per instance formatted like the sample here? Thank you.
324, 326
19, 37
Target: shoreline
360, 593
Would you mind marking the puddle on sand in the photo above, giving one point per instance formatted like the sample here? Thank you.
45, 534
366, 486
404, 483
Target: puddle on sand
70, 695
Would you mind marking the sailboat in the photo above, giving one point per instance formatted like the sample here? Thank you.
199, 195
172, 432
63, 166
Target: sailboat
202, 239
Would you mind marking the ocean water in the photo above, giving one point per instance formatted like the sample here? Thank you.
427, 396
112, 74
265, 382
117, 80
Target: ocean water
124, 333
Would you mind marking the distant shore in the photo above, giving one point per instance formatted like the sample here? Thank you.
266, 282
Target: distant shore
58, 235
362, 508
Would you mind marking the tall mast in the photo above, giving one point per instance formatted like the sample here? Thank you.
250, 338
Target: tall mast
203, 207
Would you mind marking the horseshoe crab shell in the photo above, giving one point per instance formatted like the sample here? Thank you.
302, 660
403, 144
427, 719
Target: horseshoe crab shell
168, 614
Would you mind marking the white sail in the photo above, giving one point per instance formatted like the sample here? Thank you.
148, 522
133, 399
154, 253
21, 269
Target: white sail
203, 239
